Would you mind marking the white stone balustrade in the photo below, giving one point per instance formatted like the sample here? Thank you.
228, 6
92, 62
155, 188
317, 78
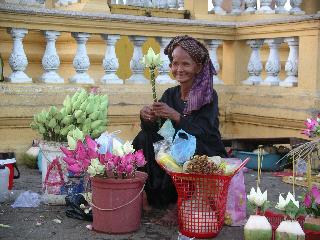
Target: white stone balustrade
255, 65
217, 9
251, 6
295, 7
110, 62
164, 70
135, 63
292, 65
81, 62
280, 6
50, 60
236, 7
18, 60
212, 48
65, 2
171, 4
273, 65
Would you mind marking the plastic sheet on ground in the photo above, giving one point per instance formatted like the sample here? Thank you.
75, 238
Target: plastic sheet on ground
27, 199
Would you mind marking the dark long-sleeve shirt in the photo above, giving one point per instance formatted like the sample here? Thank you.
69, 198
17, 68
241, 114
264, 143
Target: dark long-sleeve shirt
202, 123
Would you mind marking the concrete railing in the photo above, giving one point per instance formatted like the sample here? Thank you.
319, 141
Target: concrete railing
171, 4
251, 7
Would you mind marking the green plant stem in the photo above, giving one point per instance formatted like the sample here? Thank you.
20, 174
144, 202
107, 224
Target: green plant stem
153, 84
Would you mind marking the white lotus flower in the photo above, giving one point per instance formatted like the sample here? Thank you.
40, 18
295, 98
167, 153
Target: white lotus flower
127, 147
92, 171
256, 197
151, 60
117, 148
96, 168
281, 205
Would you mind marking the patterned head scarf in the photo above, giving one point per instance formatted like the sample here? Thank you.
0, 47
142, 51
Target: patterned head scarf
202, 87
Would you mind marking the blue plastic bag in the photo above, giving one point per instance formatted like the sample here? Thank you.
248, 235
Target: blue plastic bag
183, 147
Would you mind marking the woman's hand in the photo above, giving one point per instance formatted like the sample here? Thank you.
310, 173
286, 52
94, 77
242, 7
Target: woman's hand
164, 111
147, 114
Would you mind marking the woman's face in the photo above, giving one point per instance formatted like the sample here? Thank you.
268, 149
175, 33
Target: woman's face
183, 67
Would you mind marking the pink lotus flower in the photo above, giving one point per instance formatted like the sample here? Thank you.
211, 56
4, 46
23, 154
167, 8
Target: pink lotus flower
307, 200
316, 194
312, 201
140, 160
79, 159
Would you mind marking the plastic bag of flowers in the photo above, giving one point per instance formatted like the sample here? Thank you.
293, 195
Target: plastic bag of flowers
289, 229
312, 206
257, 227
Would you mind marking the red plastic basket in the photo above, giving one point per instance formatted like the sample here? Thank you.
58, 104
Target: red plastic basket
202, 202
276, 218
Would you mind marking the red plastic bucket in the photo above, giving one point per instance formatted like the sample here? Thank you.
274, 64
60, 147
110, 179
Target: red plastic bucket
9, 160
117, 203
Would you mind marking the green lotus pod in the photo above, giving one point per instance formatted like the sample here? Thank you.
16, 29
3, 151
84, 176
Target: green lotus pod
101, 129
41, 118
86, 129
42, 130
53, 110
64, 131
81, 119
56, 129
78, 114
58, 116
71, 142
52, 123
76, 105
94, 116
103, 105
96, 124
84, 105
77, 134
89, 108
34, 126
67, 120
66, 101
95, 134
63, 112
71, 127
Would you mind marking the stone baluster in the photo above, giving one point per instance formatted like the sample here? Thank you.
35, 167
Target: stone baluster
273, 65
162, 3
217, 7
50, 60
18, 60
164, 70
129, 2
236, 7
81, 62
110, 62
212, 47
180, 4
292, 65
265, 7
280, 6
255, 65
135, 63
295, 7
251, 6
172, 4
